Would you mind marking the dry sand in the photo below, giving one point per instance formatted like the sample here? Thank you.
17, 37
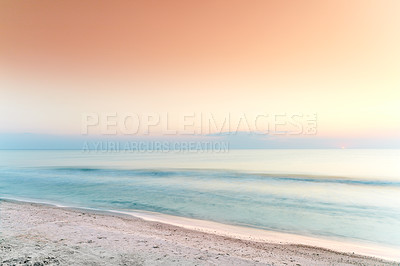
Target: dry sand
37, 234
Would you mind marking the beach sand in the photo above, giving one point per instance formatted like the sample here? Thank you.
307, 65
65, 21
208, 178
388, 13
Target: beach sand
39, 234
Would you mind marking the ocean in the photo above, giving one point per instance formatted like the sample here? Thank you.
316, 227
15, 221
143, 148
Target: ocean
340, 194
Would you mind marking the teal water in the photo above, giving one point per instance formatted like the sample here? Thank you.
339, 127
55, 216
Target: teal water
345, 194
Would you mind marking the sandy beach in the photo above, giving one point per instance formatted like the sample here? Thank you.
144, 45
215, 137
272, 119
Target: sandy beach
38, 234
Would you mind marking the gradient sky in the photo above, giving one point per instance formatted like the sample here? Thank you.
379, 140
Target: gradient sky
339, 59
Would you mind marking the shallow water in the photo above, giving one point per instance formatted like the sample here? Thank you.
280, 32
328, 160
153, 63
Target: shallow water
349, 194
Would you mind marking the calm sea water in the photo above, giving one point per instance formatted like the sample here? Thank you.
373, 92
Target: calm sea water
349, 194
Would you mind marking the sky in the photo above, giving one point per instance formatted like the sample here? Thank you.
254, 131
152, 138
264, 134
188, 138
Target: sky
337, 59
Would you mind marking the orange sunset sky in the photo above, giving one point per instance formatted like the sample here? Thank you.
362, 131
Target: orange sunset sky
339, 59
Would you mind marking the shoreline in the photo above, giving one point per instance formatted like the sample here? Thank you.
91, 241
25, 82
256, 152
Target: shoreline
243, 232
293, 245
269, 236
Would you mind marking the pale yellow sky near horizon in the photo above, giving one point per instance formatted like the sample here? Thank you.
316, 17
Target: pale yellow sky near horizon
339, 59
